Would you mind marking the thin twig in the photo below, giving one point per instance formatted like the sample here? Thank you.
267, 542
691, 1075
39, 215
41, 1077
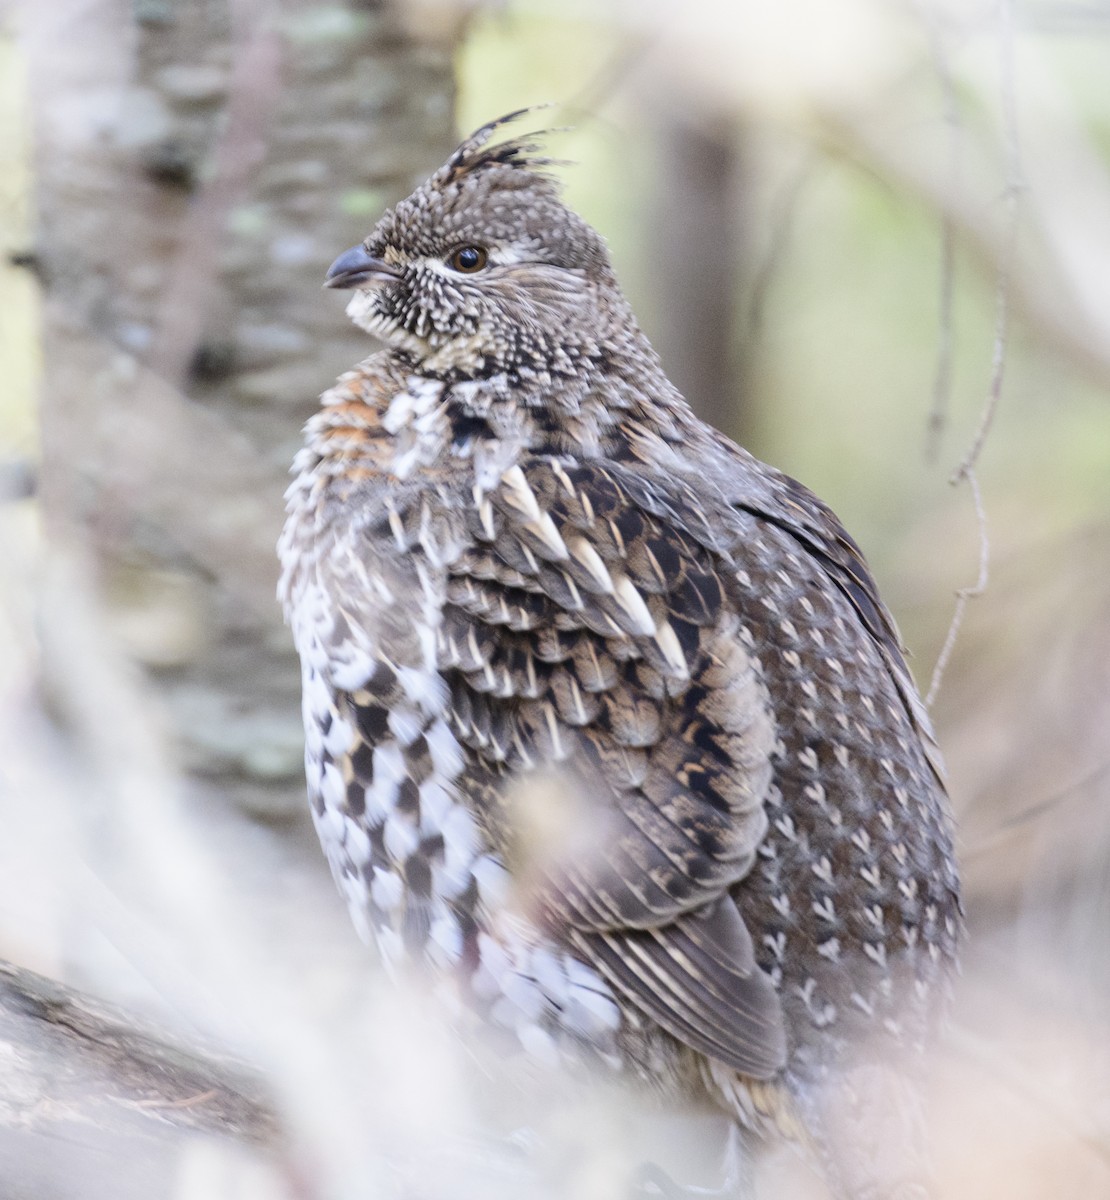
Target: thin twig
966, 593
942, 378
1015, 186
785, 210
608, 81
965, 472
1001, 338
1034, 811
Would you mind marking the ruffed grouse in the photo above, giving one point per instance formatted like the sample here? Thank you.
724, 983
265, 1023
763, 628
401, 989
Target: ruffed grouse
513, 553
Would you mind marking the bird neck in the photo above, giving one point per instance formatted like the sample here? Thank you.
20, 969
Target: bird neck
606, 394
389, 417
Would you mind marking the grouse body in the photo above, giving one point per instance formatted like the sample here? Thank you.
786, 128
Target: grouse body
515, 559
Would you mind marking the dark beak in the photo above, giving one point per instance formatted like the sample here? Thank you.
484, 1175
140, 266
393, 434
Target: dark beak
355, 266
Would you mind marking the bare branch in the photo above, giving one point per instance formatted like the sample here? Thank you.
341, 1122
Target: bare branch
1080, 789
71, 1057
785, 210
942, 378
608, 80
967, 593
965, 472
1015, 185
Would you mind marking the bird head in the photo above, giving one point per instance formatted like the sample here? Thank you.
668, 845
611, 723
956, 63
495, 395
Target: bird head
483, 269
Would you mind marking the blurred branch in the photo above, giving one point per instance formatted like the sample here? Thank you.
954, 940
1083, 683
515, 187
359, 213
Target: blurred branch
1002, 1064
1080, 790
253, 93
69, 1057
609, 80
846, 88
1055, 306
784, 212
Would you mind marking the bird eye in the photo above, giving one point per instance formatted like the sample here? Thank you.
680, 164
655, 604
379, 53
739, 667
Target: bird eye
468, 259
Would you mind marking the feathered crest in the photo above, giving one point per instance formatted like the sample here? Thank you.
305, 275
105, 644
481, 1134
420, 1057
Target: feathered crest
525, 152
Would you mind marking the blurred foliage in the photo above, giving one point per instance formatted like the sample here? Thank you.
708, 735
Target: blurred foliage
846, 350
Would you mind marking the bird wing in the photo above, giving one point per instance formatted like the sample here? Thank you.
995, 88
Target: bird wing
590, 625
810, 522
697, 977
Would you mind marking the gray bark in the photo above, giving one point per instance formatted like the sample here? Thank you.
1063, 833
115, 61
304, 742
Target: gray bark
71, 1060
98, 1104
199, 164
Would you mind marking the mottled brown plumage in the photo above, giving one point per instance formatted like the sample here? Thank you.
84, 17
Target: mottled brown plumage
515, 557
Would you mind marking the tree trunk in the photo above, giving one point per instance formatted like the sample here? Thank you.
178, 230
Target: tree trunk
198, 167
696, 258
